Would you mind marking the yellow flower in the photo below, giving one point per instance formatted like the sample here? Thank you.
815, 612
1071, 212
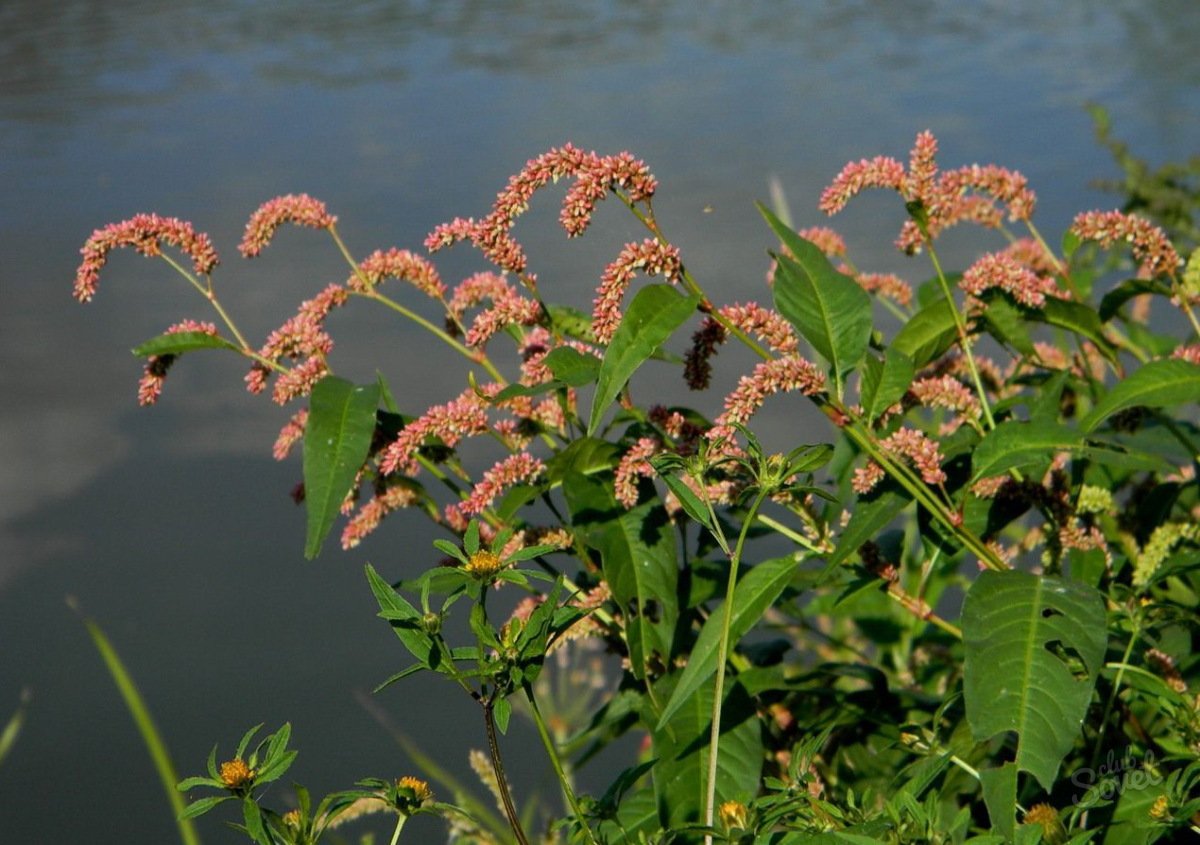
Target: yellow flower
734, 815
1046, 817
235, 774
484, 564
292, 818
1160, 810
420, 789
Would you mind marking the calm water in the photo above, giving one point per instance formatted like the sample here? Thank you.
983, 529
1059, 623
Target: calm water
173, 527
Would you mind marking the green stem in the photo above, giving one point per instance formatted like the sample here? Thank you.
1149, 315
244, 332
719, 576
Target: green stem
795, 537
399, 825
963, 338
514, 821
722, 652
556, 762
207, 292
1116, 689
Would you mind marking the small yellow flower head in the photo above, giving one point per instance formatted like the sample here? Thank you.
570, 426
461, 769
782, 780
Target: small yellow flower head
734, 815
235, 774
1094, 500
419, 788
1160, 810
484, 564
412, 794
1046, 817
292, 818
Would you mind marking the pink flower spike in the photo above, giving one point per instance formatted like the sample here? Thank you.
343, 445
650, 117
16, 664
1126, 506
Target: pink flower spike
513, 470
290, 434
154, 375
299, 380
922, 168
879, 172
371, 514
447, 234
766, 324
826, 240
1001, 270
398, 264
143, 232
512, 310
780, 375
1150, 245
650, 257
300, 209
922, 452
465, 416
634, 464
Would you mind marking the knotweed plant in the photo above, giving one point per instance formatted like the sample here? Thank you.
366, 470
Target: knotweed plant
942, 615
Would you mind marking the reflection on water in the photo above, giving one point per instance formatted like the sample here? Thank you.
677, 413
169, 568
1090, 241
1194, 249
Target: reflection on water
172, 526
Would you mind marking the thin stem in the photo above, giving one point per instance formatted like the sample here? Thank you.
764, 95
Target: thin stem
437, 332
1116, 688
556, 762
963, 339
399, 825
207, 293
722, 651
489, 721
795, 537
921, 610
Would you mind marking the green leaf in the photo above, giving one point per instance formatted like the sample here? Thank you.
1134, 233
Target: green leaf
1111, 304
927, 334
885, 382
868, 517
572, 367
1000, 795
1015, 444
404, 618
176, 343
1070, 243
682, 751
1158, 383
638, 557
752, 596
1034, 646
653, 316
828, 308
202, 806
1075, 317
12, 729
502, 710
140, 713
1007, 323
341, 421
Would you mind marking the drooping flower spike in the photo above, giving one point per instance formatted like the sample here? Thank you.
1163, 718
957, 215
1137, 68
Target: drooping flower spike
300, 209
145, 233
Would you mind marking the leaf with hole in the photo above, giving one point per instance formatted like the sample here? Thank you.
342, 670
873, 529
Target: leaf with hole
1034, 646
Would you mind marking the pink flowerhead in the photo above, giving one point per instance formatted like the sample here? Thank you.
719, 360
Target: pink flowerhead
922, 452
866, 478
398, 264
154, 375
299, 380
300, 209
766, 324
634, 464
652, 258
878, 172
371, 514
513, 470
509, 310
922, 168
886, 285
1150, 245
465, 416
145, 233
1001, 270
780, 375
290, 434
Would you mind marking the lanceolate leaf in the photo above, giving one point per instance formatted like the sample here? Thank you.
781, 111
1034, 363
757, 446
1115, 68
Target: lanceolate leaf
1158, 383
1015, 444
682, 751
828, 308
404, 618
176, 343
341, 420
638, 556
884, 383
571, 366
927, 334
653, 316
754, 593
868, 518
1034, 647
